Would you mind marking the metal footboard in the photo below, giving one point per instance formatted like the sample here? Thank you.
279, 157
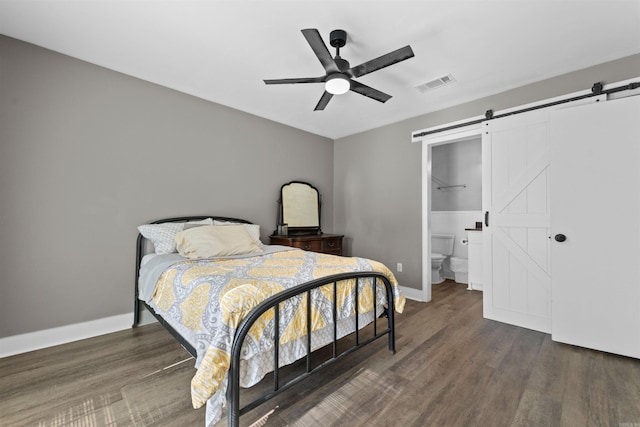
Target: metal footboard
272, 303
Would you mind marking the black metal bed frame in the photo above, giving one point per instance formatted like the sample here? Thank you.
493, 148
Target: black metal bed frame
234, 411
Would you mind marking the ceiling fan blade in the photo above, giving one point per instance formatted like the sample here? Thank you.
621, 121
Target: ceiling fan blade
324, 100
382, 61
320, 49
369, 91
294, 80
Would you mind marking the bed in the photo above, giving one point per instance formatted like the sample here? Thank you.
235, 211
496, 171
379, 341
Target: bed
228, 304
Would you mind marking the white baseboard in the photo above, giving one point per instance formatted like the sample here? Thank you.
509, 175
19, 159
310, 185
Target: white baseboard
413, 294
37, 340
23, 343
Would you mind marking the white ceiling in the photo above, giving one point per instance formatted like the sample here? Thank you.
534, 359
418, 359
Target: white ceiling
222, 50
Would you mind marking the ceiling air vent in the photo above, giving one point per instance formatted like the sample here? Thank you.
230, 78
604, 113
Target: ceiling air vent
439, 82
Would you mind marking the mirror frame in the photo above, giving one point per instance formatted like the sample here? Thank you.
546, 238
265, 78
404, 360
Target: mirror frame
299, 230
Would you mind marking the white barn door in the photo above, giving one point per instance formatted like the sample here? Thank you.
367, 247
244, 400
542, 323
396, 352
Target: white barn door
516, 201
596, 207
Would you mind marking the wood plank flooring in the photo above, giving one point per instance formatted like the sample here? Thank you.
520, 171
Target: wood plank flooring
451, 368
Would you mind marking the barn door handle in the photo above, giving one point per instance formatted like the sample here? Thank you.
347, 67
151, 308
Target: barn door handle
560, 238
486, 219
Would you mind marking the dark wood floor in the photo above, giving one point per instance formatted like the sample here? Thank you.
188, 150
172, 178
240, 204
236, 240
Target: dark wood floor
451, 368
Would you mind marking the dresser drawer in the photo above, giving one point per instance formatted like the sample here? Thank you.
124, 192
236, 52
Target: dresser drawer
332, 245
308, 245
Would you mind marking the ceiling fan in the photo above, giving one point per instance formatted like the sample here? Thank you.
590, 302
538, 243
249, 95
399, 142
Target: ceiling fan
339, 77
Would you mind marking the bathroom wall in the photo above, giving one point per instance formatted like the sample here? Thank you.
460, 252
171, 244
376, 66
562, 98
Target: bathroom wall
458, 163
454, 209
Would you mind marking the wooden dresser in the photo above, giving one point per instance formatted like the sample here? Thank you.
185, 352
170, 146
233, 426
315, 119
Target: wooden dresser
325, 243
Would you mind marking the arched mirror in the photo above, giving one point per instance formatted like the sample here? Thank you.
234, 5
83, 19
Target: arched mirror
299, 209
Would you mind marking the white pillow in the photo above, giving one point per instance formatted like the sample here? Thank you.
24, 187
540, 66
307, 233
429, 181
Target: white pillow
163, 235
212, 241
252, 229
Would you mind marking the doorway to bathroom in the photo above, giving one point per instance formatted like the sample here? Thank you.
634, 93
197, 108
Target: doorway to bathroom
452, 201
456, 207
456, 210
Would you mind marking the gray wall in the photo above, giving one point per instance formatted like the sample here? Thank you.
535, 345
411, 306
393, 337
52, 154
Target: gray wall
458, 163
377, 174
87, 154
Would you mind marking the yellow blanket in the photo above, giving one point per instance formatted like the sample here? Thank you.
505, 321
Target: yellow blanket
212, 297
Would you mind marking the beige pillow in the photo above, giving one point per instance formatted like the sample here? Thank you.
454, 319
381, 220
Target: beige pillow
210, 241
253, 229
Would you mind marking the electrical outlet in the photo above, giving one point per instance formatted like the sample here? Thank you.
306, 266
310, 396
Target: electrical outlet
399, 268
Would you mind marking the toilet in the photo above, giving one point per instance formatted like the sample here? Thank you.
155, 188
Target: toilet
460, 269
441, 249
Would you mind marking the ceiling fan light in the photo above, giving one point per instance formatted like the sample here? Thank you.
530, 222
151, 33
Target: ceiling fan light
337, 84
